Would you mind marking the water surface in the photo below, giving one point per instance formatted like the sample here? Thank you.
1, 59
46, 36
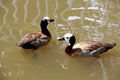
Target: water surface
88, 20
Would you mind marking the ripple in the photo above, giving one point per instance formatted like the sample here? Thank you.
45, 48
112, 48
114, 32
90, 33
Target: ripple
61, 64
6, 11
89, 19
0, 65
14, 14
60, 25
73, 17
104, 72
89, 8
25, 10
80, 8
46, 3
38, 9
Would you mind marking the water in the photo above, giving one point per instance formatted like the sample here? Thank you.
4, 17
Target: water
97, 20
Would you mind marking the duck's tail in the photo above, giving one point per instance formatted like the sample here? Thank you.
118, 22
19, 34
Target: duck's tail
110, 45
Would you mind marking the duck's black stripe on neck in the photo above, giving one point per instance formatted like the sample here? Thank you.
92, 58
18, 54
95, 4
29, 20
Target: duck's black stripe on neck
44, 29
72, 41
46, 32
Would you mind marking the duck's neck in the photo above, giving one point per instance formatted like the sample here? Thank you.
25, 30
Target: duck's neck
45, 30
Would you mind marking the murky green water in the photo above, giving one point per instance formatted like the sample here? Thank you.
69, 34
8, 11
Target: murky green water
87, 19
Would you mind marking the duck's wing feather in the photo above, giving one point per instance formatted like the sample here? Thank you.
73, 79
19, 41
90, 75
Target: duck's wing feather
93, 45
92, 48
96, 52
32, 37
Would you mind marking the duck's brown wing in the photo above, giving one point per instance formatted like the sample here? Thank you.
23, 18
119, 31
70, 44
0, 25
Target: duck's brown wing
31, 37
93, 48
90, 46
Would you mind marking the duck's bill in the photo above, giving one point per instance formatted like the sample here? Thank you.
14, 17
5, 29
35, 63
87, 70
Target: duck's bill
60, 38
51, 20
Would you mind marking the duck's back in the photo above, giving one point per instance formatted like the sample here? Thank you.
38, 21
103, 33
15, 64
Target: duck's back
93, 45
33, 40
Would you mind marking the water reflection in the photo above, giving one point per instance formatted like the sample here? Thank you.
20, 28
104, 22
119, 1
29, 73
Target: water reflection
104, 72
6, 11
46, 3
15, 12
61, 64
25, 10
69, 3
73, 18
38, 10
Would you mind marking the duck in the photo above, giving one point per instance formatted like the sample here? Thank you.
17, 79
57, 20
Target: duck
90, 48
35, 40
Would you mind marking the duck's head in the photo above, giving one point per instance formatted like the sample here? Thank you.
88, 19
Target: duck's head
69, 38
45, 21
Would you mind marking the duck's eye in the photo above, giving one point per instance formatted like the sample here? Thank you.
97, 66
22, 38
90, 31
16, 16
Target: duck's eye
67, 37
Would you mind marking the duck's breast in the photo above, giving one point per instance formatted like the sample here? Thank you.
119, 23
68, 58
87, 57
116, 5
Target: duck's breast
82, 45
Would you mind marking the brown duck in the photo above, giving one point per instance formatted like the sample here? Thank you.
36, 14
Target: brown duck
36, 39
92, 48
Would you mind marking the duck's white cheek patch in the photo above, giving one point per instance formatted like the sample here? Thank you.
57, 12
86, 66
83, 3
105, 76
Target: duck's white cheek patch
67, 40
